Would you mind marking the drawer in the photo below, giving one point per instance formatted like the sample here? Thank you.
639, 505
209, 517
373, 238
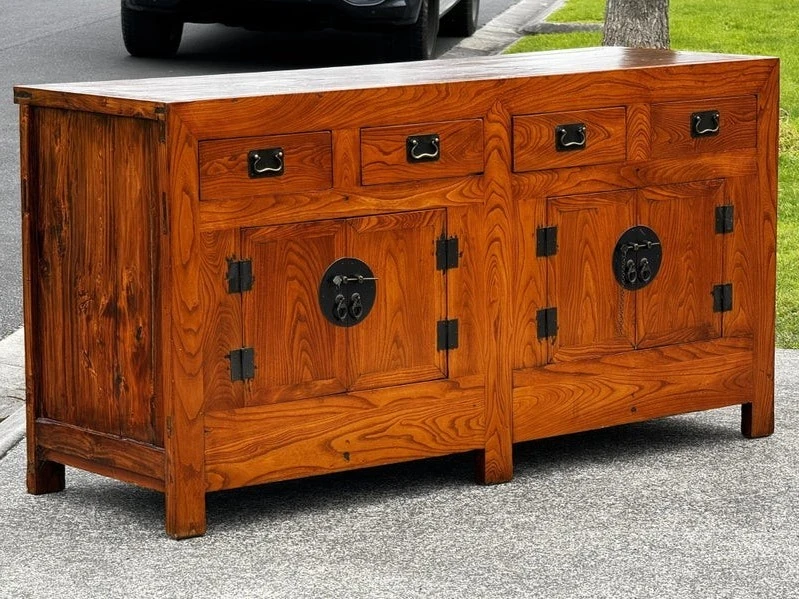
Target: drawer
562, 139
243, 167
693, 127
422, 151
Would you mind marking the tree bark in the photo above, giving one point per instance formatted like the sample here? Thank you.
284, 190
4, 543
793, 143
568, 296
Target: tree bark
637, 23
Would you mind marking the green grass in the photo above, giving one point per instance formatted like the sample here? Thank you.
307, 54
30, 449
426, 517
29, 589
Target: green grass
765, 27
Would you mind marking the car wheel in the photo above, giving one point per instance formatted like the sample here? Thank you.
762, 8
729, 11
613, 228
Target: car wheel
149, 34
418, 41
461, 21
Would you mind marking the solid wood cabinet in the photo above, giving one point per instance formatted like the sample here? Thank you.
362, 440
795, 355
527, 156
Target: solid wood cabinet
232, 280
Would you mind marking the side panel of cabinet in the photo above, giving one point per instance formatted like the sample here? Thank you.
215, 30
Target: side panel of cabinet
298, 353
93, 295
396, 343
595, 313
677, 307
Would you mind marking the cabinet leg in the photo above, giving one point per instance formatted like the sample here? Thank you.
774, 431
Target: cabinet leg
757, 419
44, 477
185, 514
492, 467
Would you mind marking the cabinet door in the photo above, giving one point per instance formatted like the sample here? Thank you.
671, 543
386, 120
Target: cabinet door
595, 314
396, 343
677, 307
298, 353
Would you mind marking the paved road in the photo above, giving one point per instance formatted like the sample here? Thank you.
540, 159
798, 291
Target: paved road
79, 40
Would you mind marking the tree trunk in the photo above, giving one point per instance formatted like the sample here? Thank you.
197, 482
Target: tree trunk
637, 23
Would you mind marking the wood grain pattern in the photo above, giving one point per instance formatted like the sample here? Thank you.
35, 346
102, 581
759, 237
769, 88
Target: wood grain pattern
184, 321
109, 455
671, 126
342, 432
495, 462
95, 185
135, 224
384, 156
291, 208
396, 343
741, 256
677, 306
225, 311
582, 395
534, 139
298, 353
530, 283
307, 160
639, 132
597, 179
595, 314
390, 104
347, 158
757, 417
42, 476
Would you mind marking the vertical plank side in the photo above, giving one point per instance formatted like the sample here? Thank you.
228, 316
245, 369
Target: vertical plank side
50, 238
90, 299
184, 321
42, 476
346, 158
495, 462
134, 201
757, 418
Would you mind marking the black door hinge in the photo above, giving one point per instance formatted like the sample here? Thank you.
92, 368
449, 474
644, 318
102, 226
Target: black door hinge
446, 253
447, 333
722, 298
546, 241
547, 321
239, 275
724, 218
242, 364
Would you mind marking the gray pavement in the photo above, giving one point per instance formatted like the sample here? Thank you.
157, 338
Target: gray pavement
678, 507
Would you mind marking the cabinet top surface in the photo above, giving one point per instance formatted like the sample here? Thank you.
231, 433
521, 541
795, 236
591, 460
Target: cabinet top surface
240, 85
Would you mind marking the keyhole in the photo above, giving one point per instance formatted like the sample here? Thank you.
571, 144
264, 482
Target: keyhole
356, 307
340, 310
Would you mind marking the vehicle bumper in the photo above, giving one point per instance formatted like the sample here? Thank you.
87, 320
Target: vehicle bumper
288, 14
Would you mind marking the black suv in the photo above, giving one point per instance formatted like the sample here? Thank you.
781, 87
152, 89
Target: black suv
153, 28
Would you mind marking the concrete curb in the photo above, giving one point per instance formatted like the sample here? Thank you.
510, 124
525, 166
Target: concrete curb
12, 390
12, 430
504, 29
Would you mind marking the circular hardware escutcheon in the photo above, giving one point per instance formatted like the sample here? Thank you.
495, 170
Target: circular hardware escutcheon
637, 257
347, 292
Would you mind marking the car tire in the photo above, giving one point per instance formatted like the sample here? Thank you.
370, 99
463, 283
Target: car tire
461, 21
418, 41
150, 34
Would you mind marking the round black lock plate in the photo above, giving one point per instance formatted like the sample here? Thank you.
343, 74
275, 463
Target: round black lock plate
347, 292
637, 257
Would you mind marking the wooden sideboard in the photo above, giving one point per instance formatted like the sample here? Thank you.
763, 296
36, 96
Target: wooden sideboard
237, 279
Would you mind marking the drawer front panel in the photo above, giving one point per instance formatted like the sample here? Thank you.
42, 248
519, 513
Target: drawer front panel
449, 149
563, 139
680, 128
230, 168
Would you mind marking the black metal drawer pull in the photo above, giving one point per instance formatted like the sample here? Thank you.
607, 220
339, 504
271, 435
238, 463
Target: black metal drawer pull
570, 137
423, 148
267, 162
705, 124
